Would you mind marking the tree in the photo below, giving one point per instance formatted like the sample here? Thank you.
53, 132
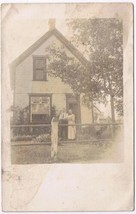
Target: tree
73, 73
102, 41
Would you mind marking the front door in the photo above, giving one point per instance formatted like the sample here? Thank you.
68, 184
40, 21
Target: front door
72, 102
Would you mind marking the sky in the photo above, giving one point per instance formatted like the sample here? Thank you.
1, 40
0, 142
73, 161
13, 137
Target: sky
23, 24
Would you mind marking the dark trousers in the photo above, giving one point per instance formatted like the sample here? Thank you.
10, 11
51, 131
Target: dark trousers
63, 129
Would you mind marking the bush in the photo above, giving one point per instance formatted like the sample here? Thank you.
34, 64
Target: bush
20, 116
43, 138
96, 132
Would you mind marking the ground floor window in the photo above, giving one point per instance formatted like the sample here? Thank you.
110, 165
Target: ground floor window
40, 108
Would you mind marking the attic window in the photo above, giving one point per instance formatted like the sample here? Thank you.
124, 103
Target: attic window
39, 68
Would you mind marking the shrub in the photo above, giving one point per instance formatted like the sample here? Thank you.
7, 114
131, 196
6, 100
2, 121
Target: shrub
95, 132
43, 138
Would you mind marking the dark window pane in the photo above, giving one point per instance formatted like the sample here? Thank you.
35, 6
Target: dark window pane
39, 74
40, 63
40, 118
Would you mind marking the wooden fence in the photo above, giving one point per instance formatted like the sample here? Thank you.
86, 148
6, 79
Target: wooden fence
32, 134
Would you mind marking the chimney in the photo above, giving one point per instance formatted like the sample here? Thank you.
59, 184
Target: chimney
51, 24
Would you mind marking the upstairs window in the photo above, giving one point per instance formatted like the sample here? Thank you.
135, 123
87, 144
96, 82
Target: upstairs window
39, 68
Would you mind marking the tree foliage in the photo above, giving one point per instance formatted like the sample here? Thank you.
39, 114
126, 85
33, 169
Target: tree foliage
102, 40
73, 73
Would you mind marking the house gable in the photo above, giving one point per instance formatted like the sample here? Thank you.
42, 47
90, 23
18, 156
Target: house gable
45, 37
51, 33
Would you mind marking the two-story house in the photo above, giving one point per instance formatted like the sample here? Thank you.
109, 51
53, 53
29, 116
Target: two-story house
37, 91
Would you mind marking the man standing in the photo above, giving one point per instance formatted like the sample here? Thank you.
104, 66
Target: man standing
64, 122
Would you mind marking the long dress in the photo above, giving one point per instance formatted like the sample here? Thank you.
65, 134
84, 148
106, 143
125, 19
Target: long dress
71, 129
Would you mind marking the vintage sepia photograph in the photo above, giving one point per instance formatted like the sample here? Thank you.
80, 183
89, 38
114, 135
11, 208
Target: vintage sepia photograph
68, 94
67, 81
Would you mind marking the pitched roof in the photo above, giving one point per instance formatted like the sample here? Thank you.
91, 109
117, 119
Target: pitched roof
45, 37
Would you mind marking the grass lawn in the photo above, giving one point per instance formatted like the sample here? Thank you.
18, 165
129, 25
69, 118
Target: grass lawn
67, 153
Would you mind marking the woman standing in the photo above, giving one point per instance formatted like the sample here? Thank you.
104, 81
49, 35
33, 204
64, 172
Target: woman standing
72, 128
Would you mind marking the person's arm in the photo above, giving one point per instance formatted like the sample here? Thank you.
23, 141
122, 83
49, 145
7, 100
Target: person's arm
73, 118
60, 117
66, 116
52, 120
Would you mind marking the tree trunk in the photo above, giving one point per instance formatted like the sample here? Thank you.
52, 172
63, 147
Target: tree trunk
111, 100
92, 108
112, 109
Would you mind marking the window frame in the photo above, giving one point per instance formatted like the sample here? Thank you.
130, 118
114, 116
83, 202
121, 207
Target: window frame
39, 95
35, 57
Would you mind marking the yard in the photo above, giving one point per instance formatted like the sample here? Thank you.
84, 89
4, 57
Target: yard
72, 152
